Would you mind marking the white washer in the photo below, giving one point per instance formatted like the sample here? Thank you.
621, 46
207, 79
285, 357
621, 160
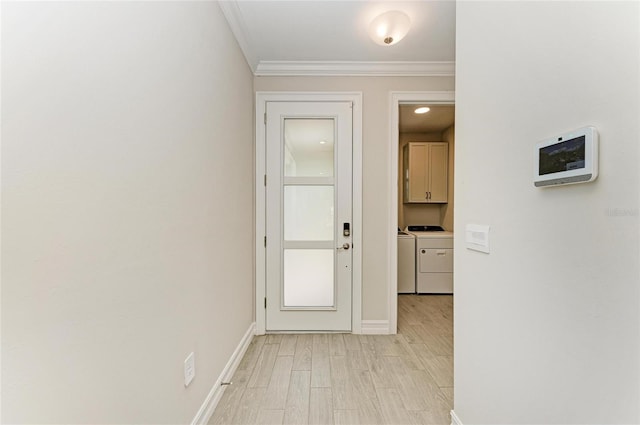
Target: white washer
434, 262
406, 263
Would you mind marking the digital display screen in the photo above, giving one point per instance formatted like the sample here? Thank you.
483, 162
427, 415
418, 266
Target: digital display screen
563, 156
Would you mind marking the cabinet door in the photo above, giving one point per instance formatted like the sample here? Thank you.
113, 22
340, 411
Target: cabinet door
437, 167
418, 172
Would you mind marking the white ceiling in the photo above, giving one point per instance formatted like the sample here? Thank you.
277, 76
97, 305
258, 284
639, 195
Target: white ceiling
307, 37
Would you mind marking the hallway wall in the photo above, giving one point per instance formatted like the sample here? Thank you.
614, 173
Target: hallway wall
127, 204
547, 325
376, 178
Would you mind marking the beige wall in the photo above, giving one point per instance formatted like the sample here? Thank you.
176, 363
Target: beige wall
547, 325
126, 208
376, 178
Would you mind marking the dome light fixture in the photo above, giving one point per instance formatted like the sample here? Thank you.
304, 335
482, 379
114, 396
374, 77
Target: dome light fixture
422, 110
389, 28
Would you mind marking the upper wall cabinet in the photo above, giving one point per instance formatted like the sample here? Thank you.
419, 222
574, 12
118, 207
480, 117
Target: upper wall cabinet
425, 172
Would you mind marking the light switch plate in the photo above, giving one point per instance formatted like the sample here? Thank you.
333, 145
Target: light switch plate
477, 237
189, 369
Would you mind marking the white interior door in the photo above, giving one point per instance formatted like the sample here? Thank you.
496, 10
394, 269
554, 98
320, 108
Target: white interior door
308, 216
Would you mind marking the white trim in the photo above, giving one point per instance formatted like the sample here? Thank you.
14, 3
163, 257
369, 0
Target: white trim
214, 396
353, 68
233, 15
375, 327
455, 420
260, 154
356, 308
260, 214
395, 99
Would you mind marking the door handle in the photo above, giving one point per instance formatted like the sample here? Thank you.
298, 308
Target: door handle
344, 246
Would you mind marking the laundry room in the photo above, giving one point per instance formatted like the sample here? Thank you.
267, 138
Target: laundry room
425, 198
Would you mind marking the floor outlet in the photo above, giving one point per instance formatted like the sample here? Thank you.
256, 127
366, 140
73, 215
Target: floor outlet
189, 369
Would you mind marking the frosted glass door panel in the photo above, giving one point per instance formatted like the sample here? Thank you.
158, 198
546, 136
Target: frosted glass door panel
308, 278
308, 150
308, 213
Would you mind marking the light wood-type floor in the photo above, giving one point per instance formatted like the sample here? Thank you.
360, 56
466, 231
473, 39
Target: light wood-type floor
350, 379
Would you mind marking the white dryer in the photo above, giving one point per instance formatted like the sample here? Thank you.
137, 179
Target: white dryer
434, 259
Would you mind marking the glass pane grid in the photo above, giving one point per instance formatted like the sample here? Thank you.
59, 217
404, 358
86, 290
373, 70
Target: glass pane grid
308, 230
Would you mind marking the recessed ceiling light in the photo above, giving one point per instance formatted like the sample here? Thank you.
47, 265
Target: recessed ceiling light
322, 142
422, 110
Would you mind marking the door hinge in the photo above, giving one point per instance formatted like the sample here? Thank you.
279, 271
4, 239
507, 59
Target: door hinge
265, 179
265, 302
265, 118
265, 241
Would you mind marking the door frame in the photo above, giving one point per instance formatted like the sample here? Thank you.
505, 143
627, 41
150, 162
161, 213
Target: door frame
260, 197
397, 98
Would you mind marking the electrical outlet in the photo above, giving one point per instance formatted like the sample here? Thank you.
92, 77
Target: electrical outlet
189, 369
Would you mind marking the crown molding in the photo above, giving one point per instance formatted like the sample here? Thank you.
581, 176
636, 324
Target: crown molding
353, 68
234, 18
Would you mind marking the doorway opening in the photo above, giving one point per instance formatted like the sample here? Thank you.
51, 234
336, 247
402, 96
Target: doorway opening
402, 214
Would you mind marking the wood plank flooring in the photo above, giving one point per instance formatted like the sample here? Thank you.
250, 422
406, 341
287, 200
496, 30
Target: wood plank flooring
350, 379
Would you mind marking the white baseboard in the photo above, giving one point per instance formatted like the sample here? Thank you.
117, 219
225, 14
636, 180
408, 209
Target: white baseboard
375, 327
214, 396
455, 420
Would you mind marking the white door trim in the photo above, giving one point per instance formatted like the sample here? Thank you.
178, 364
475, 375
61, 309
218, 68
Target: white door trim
396, 98
260, 202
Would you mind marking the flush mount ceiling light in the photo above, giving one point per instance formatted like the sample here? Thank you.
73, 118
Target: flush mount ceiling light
389, 28
422, 110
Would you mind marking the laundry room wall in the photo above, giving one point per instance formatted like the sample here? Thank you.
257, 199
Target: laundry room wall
127, 199
376, 178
